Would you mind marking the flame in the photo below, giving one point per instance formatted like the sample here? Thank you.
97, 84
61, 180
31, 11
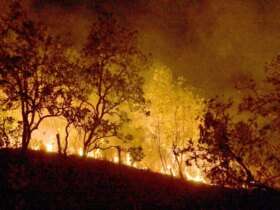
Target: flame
49, 147
90, 154
35, 147
115, 159
195, 176
127, 160
81, 152
191, 174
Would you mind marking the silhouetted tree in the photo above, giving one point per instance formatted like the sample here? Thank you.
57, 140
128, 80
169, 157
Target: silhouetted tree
262, 106
9, 132
239, 144
136, 154
114, 61
33, 70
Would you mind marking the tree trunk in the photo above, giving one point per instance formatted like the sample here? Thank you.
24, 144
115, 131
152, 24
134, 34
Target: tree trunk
181, 175
66, 139
65, 147
26, 136
119, 154
85, 149
26, 133
24, 146
58, 143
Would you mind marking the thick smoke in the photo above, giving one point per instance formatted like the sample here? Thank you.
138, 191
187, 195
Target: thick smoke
212, 44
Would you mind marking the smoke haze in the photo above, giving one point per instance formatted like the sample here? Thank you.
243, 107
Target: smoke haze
212, 44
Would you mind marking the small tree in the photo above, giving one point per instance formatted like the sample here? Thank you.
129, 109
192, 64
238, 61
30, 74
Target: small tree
9, 132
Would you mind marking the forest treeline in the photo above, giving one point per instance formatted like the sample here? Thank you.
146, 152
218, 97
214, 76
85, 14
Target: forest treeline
105, 99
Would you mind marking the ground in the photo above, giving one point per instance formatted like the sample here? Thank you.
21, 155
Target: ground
38, 181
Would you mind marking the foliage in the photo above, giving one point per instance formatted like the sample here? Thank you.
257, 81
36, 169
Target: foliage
239, 144
114, 63
173, 110
8, 132
136, 153
34, 71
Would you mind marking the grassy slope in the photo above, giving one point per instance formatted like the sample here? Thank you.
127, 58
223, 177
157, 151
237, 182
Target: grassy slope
46, 181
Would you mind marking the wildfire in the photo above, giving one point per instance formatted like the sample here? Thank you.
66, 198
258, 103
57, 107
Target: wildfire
195, 176
81, 152
115, 159
91, 154
49, 147
127, 160
190, 174
36, 147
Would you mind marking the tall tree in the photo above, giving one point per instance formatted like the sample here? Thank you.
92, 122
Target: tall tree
113, 69
33, 70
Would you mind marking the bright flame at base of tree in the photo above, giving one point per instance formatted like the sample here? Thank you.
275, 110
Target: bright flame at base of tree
196, 178
49, 147
192, 174
81, 153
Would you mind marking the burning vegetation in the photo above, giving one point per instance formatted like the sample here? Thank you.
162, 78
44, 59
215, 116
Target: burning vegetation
93, 102
108, 100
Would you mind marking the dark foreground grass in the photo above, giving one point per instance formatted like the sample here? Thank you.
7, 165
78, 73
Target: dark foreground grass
38, 181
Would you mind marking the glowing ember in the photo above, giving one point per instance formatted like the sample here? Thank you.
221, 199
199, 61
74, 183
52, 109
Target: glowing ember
196, 178
127, 159
49, 147
115, 159
90, 155
191, 174
81, 152
36, 147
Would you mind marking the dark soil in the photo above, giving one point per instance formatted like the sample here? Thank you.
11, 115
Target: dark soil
38, 181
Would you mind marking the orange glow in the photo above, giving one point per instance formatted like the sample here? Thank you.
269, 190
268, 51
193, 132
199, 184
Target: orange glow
35, 147
115, 159
127, 160
190, 174
49, 147
81, 152
195, 176
173, 118
90, 154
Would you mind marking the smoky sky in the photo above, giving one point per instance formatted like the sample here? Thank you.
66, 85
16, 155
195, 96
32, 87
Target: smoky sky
212, 43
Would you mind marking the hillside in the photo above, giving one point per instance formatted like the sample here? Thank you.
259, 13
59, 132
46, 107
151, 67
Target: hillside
46, 181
